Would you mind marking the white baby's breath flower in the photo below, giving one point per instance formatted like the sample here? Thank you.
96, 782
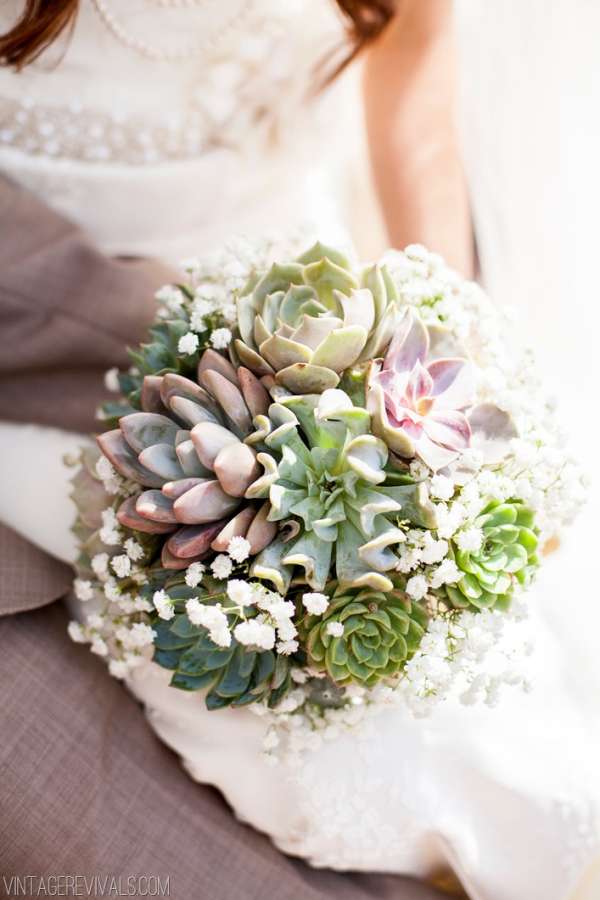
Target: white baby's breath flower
139, 635
470, 539
433, 551
210, 293
194, 608
192, 265
104, 468
221, 566
118, 668
121, 565
134, 550
95, 621
110, 533
441, 487
417, 251
334, 629
446, 573
202, 304
83, 590
315, 603
255, 633
200, 310
99, 646
163, 605
188, 344
140, 604
229, 313
194, 574
171, 297
286, 648
408, 559
107, 475
472, 458
76, 633
450, 518
416, 587
221, 338
111, 380
239, 548
212, 618
239, 592
112, 592
487, 482
286, 630
100, 565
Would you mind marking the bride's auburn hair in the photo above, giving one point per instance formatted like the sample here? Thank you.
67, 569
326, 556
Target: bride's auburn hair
43, 21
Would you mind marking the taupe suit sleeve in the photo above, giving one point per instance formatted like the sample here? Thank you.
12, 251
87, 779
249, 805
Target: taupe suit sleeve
67, 314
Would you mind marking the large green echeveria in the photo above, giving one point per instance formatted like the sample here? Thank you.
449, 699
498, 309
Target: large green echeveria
507, 556
380, 633
328, 485
308, 321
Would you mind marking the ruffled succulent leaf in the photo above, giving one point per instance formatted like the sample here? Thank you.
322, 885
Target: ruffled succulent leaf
312, 554
269, 566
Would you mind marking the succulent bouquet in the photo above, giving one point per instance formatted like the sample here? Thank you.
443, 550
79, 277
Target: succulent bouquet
324, 487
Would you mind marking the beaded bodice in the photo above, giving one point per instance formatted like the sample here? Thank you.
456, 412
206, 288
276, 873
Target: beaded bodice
164, 126
149, 81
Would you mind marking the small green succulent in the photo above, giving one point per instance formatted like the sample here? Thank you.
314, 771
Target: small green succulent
378, 633
507, 556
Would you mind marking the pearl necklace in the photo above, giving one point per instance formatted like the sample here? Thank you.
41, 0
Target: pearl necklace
175, 54
178, 4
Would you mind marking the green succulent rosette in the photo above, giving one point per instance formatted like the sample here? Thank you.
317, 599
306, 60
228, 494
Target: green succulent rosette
507, 557
330, 487
379, 633
306, 322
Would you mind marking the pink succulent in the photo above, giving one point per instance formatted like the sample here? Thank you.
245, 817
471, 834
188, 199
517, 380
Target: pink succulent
417, 407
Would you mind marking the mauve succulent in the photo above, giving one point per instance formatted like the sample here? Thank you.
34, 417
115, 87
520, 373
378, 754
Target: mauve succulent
418, 406
186, 448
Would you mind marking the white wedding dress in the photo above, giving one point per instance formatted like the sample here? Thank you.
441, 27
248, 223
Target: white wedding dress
509, 798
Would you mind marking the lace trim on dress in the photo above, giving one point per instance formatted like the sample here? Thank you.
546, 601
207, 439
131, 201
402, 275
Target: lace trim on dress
72, 132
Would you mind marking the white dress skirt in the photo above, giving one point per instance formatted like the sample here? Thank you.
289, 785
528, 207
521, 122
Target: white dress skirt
508, 797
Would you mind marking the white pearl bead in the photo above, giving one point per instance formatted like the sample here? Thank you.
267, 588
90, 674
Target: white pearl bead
176, 54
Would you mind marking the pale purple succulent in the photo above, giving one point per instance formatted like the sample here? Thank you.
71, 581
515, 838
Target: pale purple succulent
418, 407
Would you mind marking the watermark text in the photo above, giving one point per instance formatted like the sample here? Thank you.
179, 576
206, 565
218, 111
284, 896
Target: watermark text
69, 885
